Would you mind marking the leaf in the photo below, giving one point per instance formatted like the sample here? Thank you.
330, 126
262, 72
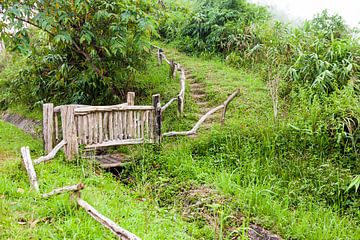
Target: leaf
354, 183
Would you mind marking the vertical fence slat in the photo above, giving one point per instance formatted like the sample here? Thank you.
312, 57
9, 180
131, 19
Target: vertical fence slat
86, 129
111, 126
106, 126
100, 122
48, 126
69, 131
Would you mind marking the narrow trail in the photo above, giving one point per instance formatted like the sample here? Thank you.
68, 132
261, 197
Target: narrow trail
199, 95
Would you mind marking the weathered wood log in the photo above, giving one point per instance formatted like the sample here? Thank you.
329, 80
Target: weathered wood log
58, 191
52, 154
226, 103
163, 108
25, 152
158, 118
203, 118
106, 222
71, 147
48, 126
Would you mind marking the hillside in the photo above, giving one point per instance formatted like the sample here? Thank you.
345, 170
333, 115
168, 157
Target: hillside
283, 165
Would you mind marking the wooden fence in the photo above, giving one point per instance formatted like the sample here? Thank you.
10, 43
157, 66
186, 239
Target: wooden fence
174, 68
101, 126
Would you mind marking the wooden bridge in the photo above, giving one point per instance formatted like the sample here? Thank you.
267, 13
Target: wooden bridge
97, 127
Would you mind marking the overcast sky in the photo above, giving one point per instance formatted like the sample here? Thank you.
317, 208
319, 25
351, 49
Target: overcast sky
306, 9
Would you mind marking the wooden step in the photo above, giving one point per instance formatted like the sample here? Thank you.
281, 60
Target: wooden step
111, 160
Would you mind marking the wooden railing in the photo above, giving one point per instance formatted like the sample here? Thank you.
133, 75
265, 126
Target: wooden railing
174, 68
101, 126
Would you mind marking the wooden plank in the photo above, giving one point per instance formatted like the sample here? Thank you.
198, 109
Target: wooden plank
96, 127
125, 125
86, 129
116, 125
111, 126
87, 110
130, 124
115, 143
57, 109
79, 128
69, 131
142, 125
106, 126
138, 126
91, 129
101, 129
56, 122
48, 126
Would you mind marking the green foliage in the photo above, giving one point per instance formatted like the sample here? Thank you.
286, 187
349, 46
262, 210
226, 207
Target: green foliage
221, 26
78, 51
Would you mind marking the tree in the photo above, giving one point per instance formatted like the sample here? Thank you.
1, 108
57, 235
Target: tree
79, 51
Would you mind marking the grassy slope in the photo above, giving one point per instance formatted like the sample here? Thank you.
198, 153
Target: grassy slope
153, 195
279, 190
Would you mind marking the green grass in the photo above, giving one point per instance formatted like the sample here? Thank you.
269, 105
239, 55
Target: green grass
58, 216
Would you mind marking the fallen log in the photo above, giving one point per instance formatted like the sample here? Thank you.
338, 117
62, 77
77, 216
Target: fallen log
25, 152
204, 117
57, 191
52, 154
106, 222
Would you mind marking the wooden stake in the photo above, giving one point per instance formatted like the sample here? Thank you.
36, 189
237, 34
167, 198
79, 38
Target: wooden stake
130, 99
158, 118
25, 152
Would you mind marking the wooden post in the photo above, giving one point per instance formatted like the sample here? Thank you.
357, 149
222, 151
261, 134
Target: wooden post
172, 69
180, 105
48, 127
69, 131
131, 118
159, 56
130, 99
25, 152
158, 118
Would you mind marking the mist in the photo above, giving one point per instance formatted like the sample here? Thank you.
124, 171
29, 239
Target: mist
296, 11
